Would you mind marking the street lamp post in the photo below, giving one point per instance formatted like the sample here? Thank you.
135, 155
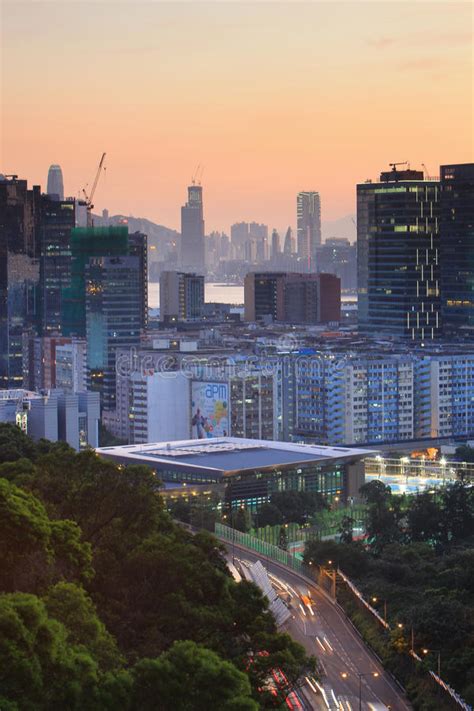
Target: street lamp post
360, 675
375, 599
438, 652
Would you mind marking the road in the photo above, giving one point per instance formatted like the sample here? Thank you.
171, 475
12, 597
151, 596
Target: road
325, 632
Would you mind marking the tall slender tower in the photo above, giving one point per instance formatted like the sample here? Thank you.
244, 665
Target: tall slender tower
55, 182
308, 214
457, 248
192, 231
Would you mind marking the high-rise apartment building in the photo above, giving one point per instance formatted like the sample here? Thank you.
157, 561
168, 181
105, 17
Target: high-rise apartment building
192, 231
19, 273
292, 297
114, 315
398, 255
55, 187
457, 248
181, 296
308, 219
58, 219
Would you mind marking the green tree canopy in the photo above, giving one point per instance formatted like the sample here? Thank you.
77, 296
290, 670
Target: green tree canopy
190, 677
34, 551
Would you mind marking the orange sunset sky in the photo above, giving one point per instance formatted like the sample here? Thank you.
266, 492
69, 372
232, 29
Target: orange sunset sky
271, 98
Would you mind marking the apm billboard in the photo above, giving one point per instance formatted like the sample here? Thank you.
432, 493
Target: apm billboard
209, 410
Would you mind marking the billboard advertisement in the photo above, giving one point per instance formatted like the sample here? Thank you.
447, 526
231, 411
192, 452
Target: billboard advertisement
209, 410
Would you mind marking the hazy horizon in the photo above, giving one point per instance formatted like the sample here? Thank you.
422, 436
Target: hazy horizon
271, 98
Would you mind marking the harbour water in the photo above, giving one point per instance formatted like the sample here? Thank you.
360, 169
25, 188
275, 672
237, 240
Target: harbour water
216, 292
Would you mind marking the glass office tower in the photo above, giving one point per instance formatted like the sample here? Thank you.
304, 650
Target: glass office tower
113, 295
398, 256
457, 248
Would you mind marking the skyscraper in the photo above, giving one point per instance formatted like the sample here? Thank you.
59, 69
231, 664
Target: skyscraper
308, 215
288, 248
398, 255
57, 223
19, 273
192, 231
87, 242
55, 183
276, 248
113, 295
457, 248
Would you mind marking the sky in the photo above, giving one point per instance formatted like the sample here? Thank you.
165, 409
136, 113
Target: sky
270, 98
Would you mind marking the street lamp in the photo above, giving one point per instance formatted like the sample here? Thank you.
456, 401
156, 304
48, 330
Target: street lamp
435, 651
374, 675
375, 600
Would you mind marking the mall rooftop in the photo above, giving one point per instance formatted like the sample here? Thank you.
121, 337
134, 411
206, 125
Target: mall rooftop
225, 456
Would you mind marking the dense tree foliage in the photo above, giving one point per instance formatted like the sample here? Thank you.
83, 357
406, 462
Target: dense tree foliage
290, 507
105, 603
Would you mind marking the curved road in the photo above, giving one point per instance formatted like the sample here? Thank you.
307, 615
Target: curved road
325, 632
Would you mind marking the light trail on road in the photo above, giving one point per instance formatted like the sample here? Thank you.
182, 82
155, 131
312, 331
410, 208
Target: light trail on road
327, 634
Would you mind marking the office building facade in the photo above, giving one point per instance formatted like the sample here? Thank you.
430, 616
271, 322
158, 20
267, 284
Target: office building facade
58, 219
457, 249
113, 318
181, 296
19, 273
292, 297
54, 415
398, 243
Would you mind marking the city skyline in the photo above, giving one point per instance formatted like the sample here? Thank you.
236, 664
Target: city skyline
170, 87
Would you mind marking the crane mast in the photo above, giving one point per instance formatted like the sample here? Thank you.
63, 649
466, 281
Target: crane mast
89, 198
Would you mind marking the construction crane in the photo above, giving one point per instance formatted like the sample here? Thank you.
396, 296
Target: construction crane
394, 165
427, 175
196, 179
89, 198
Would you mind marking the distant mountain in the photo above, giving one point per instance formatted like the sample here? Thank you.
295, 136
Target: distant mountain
158, 235
343, 227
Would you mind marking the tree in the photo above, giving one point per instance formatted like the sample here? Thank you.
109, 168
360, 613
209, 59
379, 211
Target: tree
298, 506
424, 519
242, 520
278, 651
39, 669
180, 509
384, 515
283, 539
346, 529
70, 605
375, 492
457, 501
35, 551
98, 494
190, 677
352, 558
268, 515
15, 444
